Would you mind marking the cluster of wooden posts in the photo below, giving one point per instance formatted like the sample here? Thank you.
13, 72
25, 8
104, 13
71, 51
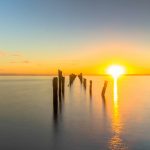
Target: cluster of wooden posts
59, 86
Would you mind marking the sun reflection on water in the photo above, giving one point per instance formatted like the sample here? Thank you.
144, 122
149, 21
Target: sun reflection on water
115, 92
116, 142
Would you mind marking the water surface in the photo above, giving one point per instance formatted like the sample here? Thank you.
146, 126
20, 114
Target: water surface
83, 121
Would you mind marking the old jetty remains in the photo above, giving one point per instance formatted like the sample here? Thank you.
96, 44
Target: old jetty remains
59, 87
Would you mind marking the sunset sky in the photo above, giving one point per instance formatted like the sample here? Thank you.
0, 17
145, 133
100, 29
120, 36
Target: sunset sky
40, 36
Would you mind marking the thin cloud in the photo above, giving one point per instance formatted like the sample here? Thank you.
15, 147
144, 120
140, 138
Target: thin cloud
22, 62
16, 55
26, 62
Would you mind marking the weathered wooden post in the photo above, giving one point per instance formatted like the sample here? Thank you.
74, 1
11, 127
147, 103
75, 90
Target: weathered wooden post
104, 88
84, 83
90, 87
80, 77
60, 83
55, 95
60, 79
71, 79
63, 85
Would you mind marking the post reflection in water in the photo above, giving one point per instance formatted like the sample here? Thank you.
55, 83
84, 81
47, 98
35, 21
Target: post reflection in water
116, 142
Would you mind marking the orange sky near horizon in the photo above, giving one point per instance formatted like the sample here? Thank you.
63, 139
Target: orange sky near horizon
93, 59
40, 37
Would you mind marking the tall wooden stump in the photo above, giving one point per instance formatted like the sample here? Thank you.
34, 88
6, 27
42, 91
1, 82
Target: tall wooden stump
60, 83
63, 85
84, 83
90, 87
104, 88
71, 79
60, 79
55, 97
80, 77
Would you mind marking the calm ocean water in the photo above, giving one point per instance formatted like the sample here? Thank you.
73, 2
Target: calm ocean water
120, 121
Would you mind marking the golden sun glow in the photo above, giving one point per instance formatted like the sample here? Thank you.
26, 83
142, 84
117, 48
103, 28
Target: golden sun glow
115, 71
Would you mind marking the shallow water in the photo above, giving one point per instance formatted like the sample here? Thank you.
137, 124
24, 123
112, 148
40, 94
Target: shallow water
121, 120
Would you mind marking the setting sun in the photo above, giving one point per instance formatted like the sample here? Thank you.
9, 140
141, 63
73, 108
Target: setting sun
116, 70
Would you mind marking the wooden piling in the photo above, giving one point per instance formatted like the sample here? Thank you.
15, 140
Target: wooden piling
80, 76
90, 87
104, 88
60, 80
84, 83
55, 95
63, 85
60, 83
71, 79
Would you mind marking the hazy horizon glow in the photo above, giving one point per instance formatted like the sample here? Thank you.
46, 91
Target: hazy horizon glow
41, 36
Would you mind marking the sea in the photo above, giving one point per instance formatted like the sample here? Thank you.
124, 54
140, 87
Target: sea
84, 120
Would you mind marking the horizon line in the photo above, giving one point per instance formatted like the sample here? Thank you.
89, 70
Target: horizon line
15, 74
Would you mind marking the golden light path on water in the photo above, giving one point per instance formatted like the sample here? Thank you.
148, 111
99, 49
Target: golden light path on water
116, 142
115, 92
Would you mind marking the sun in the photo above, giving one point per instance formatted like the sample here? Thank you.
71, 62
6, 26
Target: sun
115, 70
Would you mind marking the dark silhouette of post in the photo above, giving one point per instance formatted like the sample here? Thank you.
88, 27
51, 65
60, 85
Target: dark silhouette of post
104, 88
60, 79
55, 97
80, 76
84, 83
63, 85
71, 79
60, 83
55, 88
90, 87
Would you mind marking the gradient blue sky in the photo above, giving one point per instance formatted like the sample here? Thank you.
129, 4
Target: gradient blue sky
75, 35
